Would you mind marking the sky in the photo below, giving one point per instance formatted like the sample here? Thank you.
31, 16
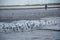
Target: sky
24, 2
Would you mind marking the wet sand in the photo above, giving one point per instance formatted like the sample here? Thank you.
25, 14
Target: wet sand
32, 35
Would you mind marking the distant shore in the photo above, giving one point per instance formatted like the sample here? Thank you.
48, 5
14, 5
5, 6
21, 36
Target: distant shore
31, 6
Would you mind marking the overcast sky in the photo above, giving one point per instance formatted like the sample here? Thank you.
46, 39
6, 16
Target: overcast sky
23, 2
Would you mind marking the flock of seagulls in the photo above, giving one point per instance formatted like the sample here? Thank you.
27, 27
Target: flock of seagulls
22, 25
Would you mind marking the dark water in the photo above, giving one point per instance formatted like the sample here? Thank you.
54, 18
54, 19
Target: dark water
28, 14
